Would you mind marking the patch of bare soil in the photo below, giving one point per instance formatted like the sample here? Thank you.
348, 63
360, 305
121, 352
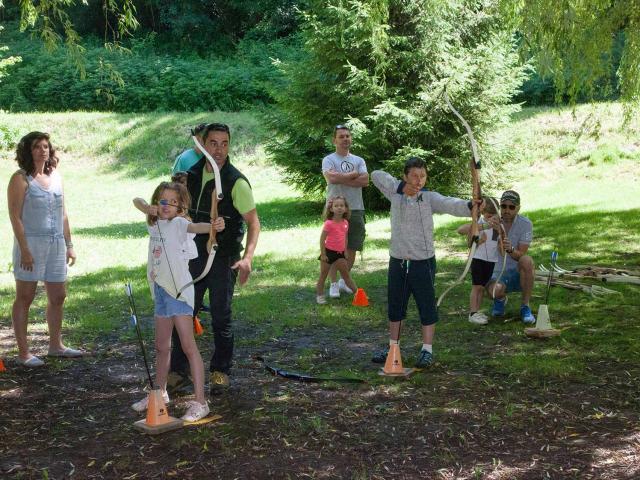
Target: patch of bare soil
72, 419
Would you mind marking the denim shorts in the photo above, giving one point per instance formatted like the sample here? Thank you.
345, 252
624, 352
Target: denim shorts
167, 306
510, 278
49, 260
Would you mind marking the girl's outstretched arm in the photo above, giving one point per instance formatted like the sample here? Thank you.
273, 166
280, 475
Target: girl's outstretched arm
203, 227
142, 205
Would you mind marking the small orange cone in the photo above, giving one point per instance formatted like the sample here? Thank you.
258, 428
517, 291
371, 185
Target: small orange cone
158, 419
197, 326
393, 365
360, 299
2, 367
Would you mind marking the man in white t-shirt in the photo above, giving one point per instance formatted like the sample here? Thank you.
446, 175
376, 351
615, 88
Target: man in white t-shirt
346, 174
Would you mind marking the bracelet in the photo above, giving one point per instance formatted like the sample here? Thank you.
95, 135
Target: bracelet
69, 244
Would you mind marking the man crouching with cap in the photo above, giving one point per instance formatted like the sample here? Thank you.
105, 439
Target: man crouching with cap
518, 273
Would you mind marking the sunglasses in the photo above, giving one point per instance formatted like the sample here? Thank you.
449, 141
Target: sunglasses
165, 203
504, 206
341, 127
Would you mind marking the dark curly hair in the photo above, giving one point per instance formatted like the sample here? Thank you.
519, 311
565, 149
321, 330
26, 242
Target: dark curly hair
24, 157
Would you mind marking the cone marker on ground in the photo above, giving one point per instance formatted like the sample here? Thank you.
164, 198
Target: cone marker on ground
393, 366
360, 299
158, 419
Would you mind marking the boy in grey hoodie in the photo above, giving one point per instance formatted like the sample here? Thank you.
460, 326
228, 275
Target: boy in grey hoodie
412, 262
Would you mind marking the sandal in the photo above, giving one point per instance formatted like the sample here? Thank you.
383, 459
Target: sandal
31, 362
66, 353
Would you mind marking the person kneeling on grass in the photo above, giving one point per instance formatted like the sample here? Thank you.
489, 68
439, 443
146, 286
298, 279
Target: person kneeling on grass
518, 275
333, 245
484, 260
168, 271
412, 262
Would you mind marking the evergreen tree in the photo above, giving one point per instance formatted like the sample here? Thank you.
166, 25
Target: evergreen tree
381, 66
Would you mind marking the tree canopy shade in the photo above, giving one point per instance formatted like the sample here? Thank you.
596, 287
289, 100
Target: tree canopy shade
381, 66
573, 42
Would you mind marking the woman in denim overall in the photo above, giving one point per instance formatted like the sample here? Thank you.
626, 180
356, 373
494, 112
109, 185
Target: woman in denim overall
42, 242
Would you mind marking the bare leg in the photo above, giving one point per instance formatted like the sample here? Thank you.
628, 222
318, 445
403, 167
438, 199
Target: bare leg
394, 330
526, 270
343, 268
500, 290
477, 291
164, 327
25, 293
56, 294
324, 270
184, 326
350, 255
333, 273
428, 332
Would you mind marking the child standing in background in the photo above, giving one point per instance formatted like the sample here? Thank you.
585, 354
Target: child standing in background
484, 259
168, 272
333, 244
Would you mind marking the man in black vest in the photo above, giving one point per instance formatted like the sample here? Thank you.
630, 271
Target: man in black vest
237, 207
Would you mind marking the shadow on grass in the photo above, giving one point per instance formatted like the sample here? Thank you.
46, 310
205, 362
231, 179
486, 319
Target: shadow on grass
283, 213
152, 141
115, 230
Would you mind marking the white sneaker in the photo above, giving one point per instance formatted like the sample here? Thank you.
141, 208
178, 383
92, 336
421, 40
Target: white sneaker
343, 287
196, 411
320, 300
334, 290
141, 405
479, 318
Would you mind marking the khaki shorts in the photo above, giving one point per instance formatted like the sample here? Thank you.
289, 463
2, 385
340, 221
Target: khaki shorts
355, 238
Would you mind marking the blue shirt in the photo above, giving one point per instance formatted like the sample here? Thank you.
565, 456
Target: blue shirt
185, 161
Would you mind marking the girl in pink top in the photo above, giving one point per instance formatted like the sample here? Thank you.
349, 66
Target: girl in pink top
333, 243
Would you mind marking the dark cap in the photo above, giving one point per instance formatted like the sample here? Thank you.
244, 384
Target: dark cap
512, 196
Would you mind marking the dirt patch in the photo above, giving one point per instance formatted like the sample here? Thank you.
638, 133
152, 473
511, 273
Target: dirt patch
71, 419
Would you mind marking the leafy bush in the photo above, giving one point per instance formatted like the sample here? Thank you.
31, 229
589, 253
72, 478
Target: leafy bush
141, 80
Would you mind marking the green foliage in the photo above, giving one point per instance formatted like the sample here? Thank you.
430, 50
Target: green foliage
141, 79
381, 67
579, 43
8, 61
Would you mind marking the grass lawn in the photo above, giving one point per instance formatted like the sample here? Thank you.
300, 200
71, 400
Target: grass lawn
495, 405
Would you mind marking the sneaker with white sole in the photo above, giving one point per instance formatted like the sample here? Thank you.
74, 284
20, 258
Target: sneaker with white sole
320, 300
141, 405
526, 315
498, 307
334, 290
196, 411
343, 287
479, 318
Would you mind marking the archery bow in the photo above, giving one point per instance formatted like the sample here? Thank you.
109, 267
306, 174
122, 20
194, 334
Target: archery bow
474, 165
216, 195
502, 234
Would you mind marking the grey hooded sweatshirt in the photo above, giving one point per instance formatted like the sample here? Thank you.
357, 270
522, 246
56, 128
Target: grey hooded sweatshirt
412, 217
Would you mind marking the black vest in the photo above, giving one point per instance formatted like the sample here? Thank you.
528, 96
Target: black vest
230, 239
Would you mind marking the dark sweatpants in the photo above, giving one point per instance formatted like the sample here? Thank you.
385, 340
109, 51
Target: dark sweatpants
220, 281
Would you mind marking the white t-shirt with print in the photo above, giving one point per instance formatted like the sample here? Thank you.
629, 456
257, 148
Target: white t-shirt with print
348, 164
169, 253
488, 250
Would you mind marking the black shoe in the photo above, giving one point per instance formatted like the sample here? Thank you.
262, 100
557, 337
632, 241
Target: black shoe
425, 359
218, 383
381, 356
177, 382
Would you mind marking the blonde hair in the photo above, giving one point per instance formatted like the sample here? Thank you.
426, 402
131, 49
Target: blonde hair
184, 199
327, 214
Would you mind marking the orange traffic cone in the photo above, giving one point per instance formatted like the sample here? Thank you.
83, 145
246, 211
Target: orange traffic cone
158, 419
197, 326
2, 367
360, 299
393, 365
